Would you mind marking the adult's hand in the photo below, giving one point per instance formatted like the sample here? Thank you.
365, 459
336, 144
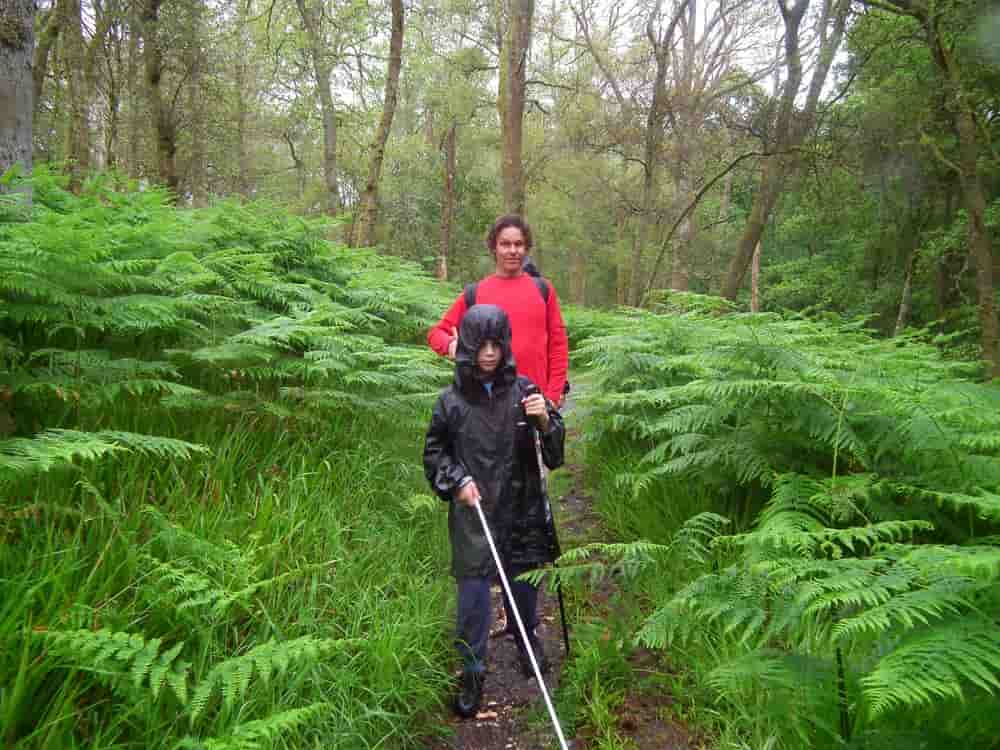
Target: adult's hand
453, 344
469, 494
537, 409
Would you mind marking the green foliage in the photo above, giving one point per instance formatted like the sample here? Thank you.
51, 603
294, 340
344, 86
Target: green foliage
127, 660
207, 421
116, 298
264, 662
863, 478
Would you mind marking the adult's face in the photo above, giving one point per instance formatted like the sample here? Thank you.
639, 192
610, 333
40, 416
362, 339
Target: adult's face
510, 251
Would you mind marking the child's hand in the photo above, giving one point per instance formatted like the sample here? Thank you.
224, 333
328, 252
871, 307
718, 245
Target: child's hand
453, 344
536, 408
468, 495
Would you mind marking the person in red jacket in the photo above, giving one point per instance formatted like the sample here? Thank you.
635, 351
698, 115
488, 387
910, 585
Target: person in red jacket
540, 346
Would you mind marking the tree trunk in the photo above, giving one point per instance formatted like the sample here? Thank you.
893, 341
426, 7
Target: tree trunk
771, 181
579, 278
369, 198
323, 72
755, 280
906, 298
113, 92
17, 87
300, 166
511, 98
791, 127
661, 43
448, 201
244, 182
980, 245
652, 139
196, 173
163, 118
77, 148
680, 271
245, 84
46, 40
726, 198
135, 129
621, 277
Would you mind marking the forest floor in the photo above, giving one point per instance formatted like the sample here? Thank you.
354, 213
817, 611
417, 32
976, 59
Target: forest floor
513, 714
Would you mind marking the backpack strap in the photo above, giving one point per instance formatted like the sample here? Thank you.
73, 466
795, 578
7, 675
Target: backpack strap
543, 288
470, 294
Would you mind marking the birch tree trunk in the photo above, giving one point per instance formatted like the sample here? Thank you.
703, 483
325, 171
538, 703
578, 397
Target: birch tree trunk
368, 211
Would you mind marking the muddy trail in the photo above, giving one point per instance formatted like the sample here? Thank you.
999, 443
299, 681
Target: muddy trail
513, 714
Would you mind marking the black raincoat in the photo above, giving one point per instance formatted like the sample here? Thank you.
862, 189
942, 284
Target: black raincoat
485, 435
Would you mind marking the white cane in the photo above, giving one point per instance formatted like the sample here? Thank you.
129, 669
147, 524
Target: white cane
520, 628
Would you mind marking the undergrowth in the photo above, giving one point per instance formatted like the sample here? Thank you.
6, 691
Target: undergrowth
210, 425
809, 520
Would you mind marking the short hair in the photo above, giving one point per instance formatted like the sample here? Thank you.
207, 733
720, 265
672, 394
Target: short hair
504, 222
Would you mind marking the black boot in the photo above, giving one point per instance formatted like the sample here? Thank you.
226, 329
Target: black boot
543, 662
470, 694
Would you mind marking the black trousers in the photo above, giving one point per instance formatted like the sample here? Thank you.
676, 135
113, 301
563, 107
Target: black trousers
475, 615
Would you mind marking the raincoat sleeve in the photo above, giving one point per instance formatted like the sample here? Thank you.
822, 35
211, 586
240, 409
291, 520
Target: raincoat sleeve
553, 440
440, 467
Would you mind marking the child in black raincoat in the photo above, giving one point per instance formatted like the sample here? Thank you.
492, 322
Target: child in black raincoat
480, 448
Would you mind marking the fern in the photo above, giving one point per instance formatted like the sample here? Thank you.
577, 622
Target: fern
127, 661
940, 662
876, 477
259, 732
185, 587
265, 662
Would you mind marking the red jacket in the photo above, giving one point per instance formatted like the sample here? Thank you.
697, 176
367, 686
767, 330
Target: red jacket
541, 349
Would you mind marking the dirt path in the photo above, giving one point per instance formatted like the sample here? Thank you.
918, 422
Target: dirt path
508, 697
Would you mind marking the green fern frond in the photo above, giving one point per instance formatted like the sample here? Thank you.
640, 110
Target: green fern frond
259, 733
233, 561
986, 505
942, 662
269, 660
768, 669
153, 445
42, 453
980, 561
786, 531
907, 610
125, 660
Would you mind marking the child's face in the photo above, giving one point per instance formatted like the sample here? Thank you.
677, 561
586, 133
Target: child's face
488, 356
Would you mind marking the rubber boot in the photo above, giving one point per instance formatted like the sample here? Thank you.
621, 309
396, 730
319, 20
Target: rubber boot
470, 694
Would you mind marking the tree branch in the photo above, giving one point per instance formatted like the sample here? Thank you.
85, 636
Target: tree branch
690, 207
